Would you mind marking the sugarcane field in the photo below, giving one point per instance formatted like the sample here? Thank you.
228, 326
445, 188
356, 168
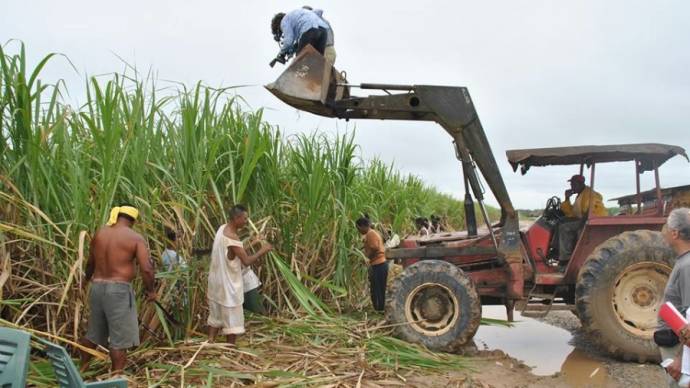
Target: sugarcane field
449, 194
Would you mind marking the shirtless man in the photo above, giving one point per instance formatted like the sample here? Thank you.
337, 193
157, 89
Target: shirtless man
113, 322
225, 285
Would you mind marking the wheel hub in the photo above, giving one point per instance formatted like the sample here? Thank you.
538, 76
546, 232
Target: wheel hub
432, 309
637, 295
643, 296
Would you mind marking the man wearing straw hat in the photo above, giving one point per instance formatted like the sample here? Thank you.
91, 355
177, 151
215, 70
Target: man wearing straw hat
111, 267
225, 290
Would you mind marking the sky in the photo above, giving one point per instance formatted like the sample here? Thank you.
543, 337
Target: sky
540, 73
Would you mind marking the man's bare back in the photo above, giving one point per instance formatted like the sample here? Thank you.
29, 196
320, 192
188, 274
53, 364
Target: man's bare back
113, 251
113, 321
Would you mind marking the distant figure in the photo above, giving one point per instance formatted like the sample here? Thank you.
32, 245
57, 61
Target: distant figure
390, 239
329, 51
436, 226
173, 261
225, 284
422, 225
576, 214
297, 29
170, 257
378, 267
111, 267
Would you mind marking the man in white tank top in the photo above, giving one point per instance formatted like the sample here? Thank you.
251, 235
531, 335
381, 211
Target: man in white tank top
225, 288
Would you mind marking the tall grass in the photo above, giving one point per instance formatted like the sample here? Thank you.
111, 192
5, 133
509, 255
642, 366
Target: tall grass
182, 157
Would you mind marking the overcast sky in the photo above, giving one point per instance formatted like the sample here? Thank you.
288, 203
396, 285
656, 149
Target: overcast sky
541, 73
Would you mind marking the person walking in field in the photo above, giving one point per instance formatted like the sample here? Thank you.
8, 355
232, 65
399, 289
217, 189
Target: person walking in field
225, 284
114, 251
677, 233
378, 267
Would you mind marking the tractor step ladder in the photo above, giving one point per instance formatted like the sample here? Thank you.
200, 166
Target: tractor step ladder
538, 305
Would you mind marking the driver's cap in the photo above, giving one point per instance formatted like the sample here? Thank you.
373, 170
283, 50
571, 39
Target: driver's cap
577, 178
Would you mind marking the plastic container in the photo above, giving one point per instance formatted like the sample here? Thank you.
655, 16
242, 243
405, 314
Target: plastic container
673, 318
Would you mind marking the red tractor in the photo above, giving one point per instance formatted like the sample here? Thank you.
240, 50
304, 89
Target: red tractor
614, 280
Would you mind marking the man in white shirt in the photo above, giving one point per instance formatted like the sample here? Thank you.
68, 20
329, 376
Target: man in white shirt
225, 284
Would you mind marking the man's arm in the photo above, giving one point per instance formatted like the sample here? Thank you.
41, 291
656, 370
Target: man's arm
248, 260
286, 45
683, 288
566, 206
146, 269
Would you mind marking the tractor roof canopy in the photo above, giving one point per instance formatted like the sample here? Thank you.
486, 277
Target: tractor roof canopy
649, 155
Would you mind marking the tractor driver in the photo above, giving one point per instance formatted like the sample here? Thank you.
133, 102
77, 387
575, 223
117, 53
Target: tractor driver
576, 215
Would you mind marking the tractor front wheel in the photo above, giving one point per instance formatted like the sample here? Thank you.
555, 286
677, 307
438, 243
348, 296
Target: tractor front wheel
435, 304
619, 291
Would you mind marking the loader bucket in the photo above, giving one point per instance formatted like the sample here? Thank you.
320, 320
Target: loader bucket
309, 83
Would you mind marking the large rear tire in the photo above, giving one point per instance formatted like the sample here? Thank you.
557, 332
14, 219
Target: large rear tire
619, 291
435, 304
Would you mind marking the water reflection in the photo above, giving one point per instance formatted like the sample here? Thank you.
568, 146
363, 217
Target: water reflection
541, 346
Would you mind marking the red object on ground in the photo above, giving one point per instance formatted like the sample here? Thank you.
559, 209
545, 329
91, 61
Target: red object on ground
673, 317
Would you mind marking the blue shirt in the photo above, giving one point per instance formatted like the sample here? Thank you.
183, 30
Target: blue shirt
296, 23
171, 260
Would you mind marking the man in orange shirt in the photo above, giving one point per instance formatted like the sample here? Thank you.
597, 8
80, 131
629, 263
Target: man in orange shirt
378, 267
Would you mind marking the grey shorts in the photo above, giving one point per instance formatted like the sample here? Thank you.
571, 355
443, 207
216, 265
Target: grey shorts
113, 323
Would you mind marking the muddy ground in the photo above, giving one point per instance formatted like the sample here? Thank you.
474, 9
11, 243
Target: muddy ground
583, 366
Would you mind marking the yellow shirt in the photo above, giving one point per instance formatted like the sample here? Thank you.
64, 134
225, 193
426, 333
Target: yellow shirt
581, 206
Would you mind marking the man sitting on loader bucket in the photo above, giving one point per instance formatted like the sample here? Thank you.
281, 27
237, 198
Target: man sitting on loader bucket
297, 29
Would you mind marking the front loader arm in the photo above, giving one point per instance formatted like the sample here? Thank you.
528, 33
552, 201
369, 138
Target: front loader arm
301, 87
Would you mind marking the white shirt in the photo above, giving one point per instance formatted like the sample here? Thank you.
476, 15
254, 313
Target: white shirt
249, 279
225, 285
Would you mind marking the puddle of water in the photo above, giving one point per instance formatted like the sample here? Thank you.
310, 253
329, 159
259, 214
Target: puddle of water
581, 371
541, 346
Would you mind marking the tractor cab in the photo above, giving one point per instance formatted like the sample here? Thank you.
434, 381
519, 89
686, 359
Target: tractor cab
542, 237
